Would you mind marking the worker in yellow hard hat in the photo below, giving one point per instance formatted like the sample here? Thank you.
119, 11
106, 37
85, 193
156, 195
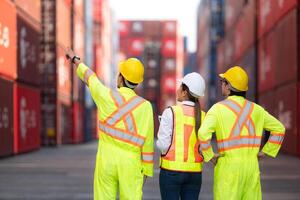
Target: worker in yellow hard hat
238, 125
125, 149
181, 163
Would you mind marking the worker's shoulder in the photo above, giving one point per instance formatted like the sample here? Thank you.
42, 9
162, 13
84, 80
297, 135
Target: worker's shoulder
145, 103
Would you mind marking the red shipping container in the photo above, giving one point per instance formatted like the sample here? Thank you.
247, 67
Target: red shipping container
8, 39
248, 62
271, 11
31, 8
233, 9
97, 9
64, 77
221, 65
78, 37
266, 63
6, 117
124, 28
64, 124
27, 107
286, 112
229, 49
168, 64
286, 41
168, 84
77, 133
63, 23
169, 47
152, 29
135, 46
267, 101
137, 28
169, 29
28, 50
245, 30
203, 43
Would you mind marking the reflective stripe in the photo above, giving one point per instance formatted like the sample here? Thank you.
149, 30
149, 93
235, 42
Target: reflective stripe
115, 117
122, 135
147, 157
117, 97
243, 141
205, 146
87, 74
276, 139
128, 118
238, 128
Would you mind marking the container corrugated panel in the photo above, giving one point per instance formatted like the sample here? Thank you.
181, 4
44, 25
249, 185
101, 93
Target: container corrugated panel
30, 7
204, 17
152, 29
97, 7
27, 107
229, 48
77, 87
90, 123
203, 43
136, 46
6, 117
168, 64
63, 79
248, 62
77, 132
286, 112
169, 29
169, 47
78, 37
233, 10
8, 39
266, 63
64, 124
79, 7
28, 50
271, 11
168, 83
137, 28
63, 27
124, 28
245, 30
287, 48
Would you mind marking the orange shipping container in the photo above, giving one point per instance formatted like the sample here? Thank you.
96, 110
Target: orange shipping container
64, 77
63, 23
8, 39
30, 7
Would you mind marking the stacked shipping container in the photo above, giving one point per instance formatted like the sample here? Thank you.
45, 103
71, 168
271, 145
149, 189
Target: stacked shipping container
278, 65
19, 47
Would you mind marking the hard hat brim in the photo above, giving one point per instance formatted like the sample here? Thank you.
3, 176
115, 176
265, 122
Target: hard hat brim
222, 75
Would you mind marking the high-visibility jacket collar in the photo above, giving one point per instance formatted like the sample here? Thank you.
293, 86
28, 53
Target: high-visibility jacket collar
126, 90
237, 98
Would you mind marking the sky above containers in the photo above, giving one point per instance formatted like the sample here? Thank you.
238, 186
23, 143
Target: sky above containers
183, 11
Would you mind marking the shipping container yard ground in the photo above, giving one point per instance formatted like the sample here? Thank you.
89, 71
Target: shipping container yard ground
67, 173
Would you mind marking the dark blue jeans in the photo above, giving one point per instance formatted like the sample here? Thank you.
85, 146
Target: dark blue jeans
179, 185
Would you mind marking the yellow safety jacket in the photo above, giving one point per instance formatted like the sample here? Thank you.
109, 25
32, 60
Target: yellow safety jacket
238, 125
183, 154
125, 119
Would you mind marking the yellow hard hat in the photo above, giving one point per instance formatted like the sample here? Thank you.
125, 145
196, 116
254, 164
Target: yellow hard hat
237, 78
132, 70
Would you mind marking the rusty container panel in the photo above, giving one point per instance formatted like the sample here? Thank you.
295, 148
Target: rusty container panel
8, 39
27, 107
63, 77
31, 8
78, 37
77, 132
286, 39
6, 117
28, 51
245, 30
169, 29
286, 112
63, 23
267, 53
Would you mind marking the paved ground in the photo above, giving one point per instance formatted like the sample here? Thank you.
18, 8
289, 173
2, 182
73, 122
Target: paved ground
67, 173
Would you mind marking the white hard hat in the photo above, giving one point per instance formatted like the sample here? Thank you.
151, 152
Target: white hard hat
195, 83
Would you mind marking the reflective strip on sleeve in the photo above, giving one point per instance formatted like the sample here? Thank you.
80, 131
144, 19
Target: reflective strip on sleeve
87, 74
147, 157
276, 138
122, 135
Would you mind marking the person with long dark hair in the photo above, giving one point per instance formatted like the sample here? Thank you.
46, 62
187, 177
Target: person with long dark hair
181, 162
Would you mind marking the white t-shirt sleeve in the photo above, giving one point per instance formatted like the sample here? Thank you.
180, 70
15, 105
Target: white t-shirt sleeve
164, 135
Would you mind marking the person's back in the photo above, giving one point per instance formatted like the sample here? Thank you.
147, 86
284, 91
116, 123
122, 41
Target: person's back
125, 150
